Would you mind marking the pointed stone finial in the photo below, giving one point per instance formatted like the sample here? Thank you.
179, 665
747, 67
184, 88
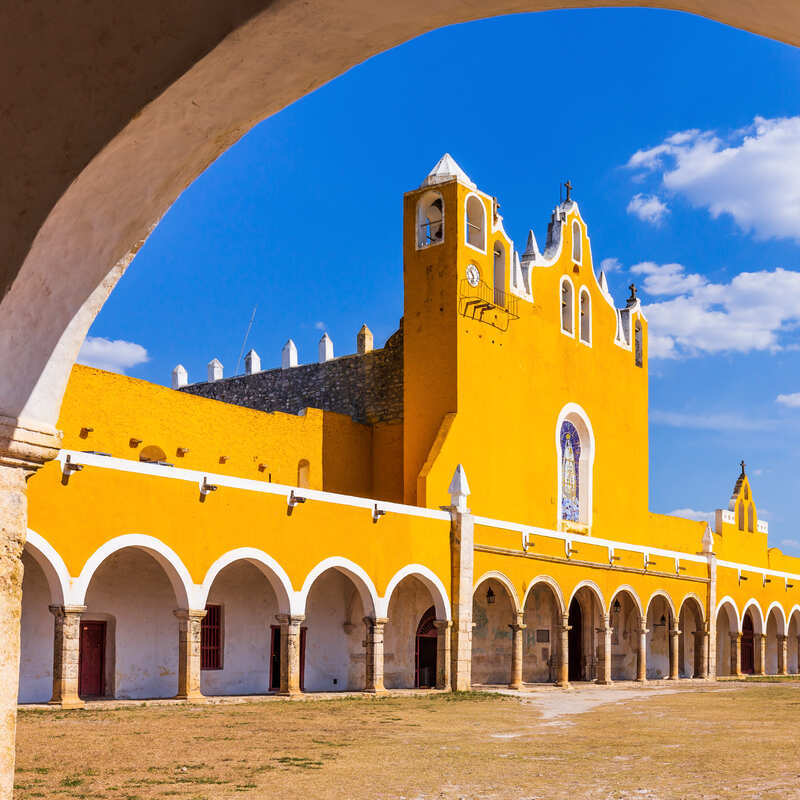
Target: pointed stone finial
180, 377
289, 355
252, 363
708, 541
445, 170
459, 489
531, 249
214, 370
364, 341
603, 281
325, 348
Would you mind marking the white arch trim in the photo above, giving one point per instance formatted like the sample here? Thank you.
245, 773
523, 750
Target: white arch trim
783, 623
692, 596
665, 596
795, 609
435, 586
594, 588
187, 594
266, 564
500, 578
362, 581
53, 566
759, 626
556, 589
729, 601
635, 597
575, 413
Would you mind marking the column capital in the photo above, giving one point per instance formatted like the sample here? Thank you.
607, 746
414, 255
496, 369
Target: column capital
62, 611
27, 444
782, 637
290, 619
675, 631
442, 624
375, 621
191, 614
644, 631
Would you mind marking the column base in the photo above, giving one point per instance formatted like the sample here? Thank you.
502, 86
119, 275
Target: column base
381, 690
563, 684
601, 682
190, 697
72, 702
290, 693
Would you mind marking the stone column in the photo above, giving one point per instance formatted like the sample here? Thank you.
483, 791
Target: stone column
783, 655
23, 449
674, 655
443, 653
66, 655
736, 654
290, 653
703, 640
461, 561
517, 627
189, 621
605, 658
373, 678
760, 644
641, 671
563, 664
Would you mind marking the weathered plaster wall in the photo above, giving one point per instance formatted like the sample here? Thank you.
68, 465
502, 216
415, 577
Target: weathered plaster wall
131, 587
36, 657
725, 626
540, 658
335, 630
249, 607
625, 640
658, 639
491, 635
410, 601
689, 626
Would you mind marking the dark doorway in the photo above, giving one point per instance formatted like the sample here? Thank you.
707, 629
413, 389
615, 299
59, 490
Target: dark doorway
748, 651
575, 641
92, 659
275, 658
425, 661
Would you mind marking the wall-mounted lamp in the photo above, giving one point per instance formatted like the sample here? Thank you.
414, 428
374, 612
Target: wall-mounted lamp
67, 469
135, 442
85, 432
616, 605
223, 459
181, 451
377, 513
490, 598
662, 623
790, 586
206, 487
292, 500
262, 467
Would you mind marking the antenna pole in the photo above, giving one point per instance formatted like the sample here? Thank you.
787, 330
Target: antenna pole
241, 352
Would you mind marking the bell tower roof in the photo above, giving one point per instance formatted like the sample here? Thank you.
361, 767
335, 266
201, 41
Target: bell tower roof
445, 170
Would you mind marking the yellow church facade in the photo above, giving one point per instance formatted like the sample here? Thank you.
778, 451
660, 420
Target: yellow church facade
445, 511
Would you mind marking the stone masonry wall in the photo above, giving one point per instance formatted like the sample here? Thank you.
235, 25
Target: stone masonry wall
368, 387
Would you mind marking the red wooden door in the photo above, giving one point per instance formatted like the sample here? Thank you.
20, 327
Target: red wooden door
425, 661
92, 659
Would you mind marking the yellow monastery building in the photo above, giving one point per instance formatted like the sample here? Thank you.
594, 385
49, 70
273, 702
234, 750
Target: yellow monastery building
440, 512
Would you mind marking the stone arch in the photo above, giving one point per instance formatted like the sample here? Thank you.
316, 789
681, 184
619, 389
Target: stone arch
169, 560
507, 585
627, 619
691, 623
631, 592
543, 612
774, 629
430, 219
566, 295
438, 592
362, 582
475, 222
53, 566
660, 621
554, 585
780, 616
495, 607
727, 627
266, 564
586, 611
759, 623
667, 599
594, 589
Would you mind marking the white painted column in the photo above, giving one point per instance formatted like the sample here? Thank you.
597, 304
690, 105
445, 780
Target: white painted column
290, 652
443, 627
189, 622
66, 655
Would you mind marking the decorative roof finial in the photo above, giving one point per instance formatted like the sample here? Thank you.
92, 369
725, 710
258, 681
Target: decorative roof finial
632, 298
741, 463
568, 186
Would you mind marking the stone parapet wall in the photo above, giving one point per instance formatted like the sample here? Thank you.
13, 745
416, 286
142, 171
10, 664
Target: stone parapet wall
367, 387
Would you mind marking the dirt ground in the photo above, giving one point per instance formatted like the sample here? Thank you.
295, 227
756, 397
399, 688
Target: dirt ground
727, 740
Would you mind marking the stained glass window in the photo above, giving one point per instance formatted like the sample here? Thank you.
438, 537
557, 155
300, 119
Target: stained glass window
570, 459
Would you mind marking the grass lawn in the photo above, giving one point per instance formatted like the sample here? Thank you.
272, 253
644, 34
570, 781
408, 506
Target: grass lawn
728, 740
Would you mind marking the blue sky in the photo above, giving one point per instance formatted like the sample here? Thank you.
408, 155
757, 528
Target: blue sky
682, 139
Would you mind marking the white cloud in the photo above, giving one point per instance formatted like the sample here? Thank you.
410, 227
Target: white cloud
751, 312
690, 513
113, 355
610, 265
791, 400
792, 544
648, 208
320, 326
719, 421
753, 174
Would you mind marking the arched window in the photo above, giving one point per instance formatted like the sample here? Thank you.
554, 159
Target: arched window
430, 219
575, 450
576, 242
638, 346
476, 223
499, 274
586, 317
567, 303
303, 469
740, 515
152, 454
751, 512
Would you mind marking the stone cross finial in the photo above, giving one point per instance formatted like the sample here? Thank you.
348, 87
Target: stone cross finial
325, 348
364, 341
741, 464
252, 363
289, 355
632, 287
568, 186
459, 489
214, 370
180, 377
